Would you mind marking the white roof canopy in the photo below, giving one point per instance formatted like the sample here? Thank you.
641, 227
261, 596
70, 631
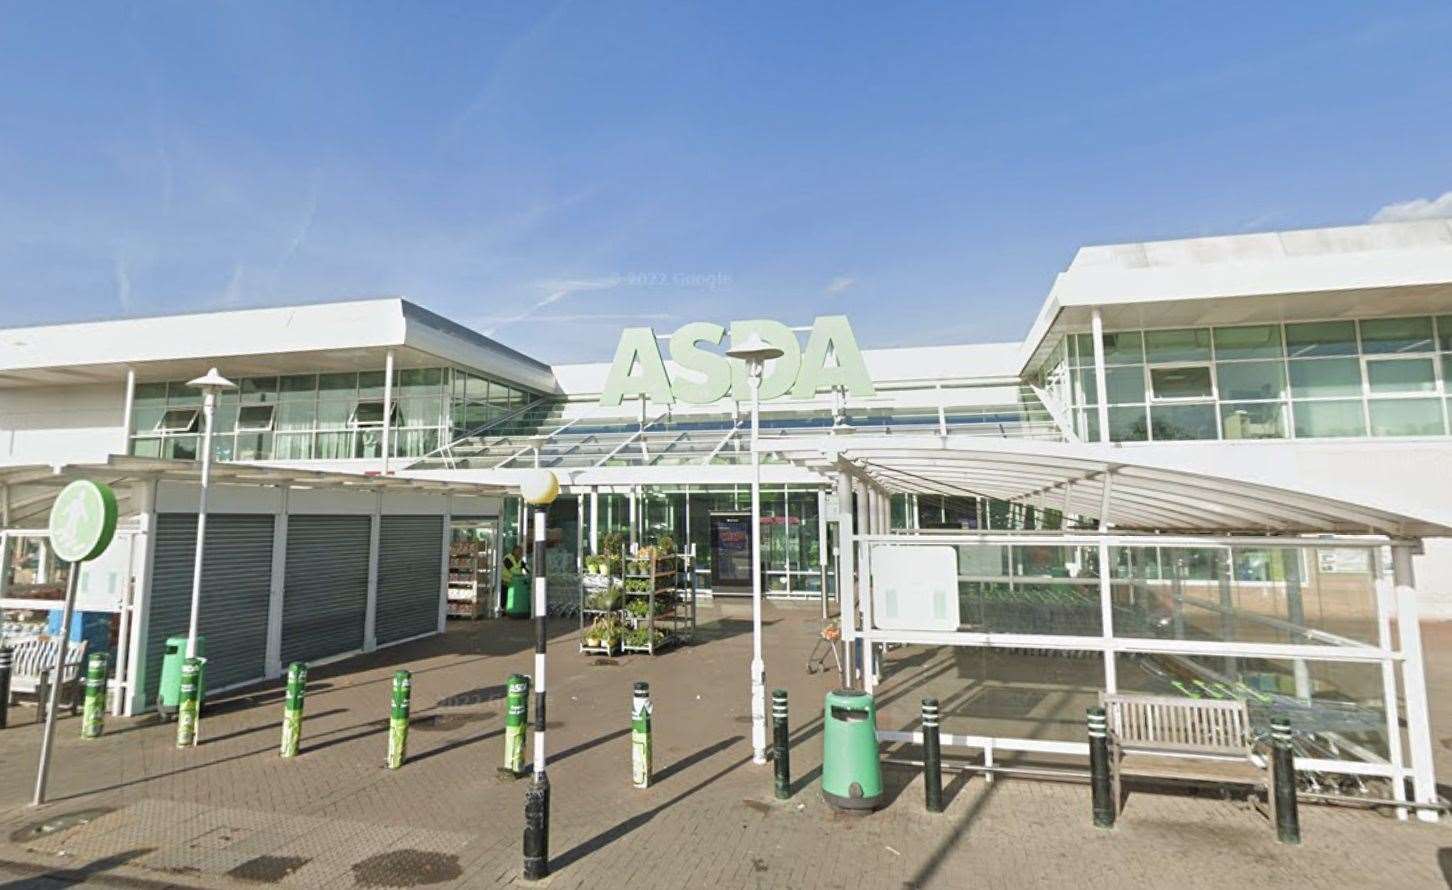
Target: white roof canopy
1140, 496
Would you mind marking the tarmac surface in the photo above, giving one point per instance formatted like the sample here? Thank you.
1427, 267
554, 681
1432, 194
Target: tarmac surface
130, 810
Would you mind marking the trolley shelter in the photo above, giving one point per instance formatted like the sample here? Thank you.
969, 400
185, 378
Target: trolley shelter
1128, 577
299, 564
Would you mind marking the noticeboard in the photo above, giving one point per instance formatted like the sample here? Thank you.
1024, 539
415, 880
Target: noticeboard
915, 587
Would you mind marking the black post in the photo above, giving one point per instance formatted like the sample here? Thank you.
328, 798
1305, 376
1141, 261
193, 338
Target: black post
932, 757
780, 744
7, 658
1283, 777
537, 798
1099, 780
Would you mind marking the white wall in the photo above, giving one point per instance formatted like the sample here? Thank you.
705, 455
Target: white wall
54, 424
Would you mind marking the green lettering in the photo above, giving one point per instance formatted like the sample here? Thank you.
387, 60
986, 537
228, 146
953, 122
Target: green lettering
781, 374
832, 340
637, 346
714, 368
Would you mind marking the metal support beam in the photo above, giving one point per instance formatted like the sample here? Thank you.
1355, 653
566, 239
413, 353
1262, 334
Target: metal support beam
1414, 682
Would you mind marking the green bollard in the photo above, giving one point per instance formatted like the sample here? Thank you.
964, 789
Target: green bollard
640, 736
516, 719
93, 717
292, 709
187, 709
398, 720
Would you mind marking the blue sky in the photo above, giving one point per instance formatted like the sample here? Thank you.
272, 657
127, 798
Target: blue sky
551, 173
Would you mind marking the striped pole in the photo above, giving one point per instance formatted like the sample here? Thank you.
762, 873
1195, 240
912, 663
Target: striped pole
7, 659
1099, 781
398, 719
932, 757
292, 708
93, 717
640, 711
187, 716
537, 798
1283, 777
780, 745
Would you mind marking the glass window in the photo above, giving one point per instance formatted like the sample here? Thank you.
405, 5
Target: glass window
146, 447
1330, 377
1251, 380
370, 413
1187, 345
1120, 348
1089, 425
337, 385
299, 387
333, 414
1125, 385
296, 415
1260, 341
178, 420
1381, 335
1253, 420
1329, 419
370, 384
293, 446
178, 393
1401, 375
1444, 332
1126, 424
420, 381
254, 418
1088, 387
1183, 422
1321, 338
224, 418
1406, 417
180, 447
150, 394
258, 389
1181, 383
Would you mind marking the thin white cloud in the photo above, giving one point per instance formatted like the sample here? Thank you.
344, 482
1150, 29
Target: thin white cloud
839, 284
123, 283
1418, 208
555, 290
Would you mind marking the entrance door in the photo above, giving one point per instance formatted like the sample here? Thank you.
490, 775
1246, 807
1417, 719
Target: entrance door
730, 552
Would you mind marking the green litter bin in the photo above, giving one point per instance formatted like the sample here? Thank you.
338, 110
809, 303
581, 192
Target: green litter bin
851, 772
517, 605
169, 695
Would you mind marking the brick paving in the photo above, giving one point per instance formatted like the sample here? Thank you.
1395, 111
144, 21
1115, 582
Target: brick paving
230, 813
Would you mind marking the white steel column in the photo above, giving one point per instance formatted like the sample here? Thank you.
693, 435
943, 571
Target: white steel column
1384, 610
370, 611
595, 519
387, 409
272, 659
846, 576
821, 546
444, 558
634, 510
866, 523
128, 411
145, 498
1097, 326
1414, 682
1106, 590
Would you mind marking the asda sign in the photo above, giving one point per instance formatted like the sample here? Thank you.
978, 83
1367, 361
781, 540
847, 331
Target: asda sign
830, 359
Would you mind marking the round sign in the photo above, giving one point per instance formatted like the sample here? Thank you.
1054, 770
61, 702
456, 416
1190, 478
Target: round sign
82, 520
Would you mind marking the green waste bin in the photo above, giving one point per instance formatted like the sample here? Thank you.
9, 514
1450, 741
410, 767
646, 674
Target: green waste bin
517, 604
851, 772
169, 694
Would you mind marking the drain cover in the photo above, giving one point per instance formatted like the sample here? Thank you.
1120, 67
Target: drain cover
62, 822
406, 868
268, 869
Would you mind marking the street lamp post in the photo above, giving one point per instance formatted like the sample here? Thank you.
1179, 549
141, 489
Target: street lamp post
211, 384
756, 352
539, 488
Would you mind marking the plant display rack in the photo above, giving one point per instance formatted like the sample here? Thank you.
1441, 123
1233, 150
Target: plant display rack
469, 587
641, 603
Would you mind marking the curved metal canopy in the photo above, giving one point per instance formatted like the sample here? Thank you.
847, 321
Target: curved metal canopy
1073, 477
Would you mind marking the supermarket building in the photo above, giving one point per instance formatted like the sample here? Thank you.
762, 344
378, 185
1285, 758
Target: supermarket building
1314, 364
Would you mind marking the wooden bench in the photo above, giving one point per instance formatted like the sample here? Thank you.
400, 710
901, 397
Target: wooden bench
1199, 731
35, 662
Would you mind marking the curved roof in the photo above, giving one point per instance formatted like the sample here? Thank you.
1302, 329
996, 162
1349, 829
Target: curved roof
1141, 496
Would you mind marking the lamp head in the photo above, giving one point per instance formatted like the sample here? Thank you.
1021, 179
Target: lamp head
212, 383
539, 487
754, 351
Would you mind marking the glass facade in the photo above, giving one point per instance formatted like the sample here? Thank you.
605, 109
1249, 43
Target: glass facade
327, 416
1305, 380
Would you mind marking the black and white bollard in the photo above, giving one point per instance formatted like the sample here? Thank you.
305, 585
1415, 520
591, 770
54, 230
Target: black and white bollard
1099, 779
932, 757
781, 744
640, 753
7, 660
539, 489
1283, 778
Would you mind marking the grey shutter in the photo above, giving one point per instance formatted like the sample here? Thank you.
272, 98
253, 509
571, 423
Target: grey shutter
325, 592
236, 586
410, 576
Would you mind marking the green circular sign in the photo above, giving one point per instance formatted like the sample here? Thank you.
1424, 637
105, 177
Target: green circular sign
82, 520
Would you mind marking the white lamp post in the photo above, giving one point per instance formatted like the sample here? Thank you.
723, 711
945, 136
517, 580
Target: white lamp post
210, 384
756, 352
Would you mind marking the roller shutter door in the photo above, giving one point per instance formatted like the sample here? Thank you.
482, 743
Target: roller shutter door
236, 584
410, 576
325, 593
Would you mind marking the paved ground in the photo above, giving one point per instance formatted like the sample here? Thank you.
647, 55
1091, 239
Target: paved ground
130, 810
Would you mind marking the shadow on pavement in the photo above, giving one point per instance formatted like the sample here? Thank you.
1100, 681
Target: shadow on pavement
63, 877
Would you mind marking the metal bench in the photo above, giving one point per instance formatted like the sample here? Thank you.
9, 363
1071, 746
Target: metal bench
35, 662
1197, 729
